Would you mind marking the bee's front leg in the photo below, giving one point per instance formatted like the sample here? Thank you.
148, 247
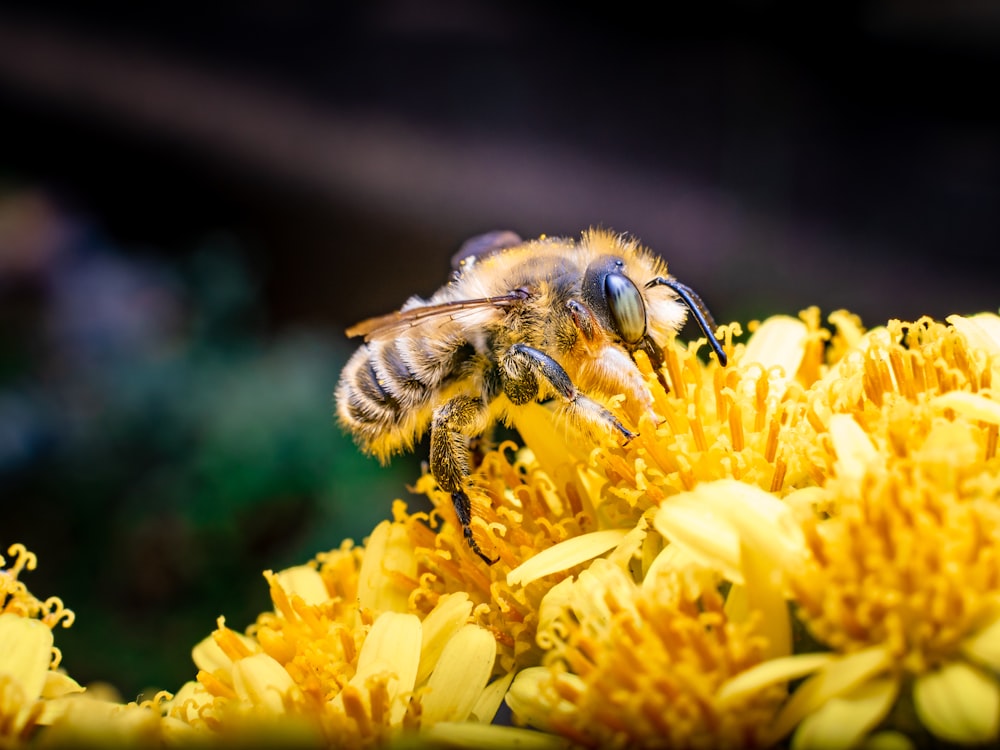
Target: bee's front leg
452, 424
522, 365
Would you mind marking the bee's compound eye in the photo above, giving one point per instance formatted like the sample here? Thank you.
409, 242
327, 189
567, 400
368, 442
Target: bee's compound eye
628, 313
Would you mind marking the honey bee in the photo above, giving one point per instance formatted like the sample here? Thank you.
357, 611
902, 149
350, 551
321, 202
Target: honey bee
517, 322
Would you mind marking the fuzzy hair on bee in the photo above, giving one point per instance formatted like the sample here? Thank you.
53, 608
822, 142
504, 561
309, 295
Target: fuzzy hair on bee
518, 322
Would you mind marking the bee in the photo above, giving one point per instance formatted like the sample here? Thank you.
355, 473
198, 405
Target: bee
517, 322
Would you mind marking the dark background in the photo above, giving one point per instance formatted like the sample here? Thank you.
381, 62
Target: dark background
196, 200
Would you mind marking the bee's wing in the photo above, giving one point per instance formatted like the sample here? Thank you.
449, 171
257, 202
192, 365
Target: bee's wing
482, 246
387, 325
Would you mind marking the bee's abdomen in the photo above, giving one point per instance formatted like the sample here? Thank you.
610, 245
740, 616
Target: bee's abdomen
381, 400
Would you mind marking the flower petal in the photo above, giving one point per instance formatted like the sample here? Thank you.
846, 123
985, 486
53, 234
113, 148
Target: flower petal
387, 549
489, 701
209, 656
959, 703
263, 683
394, 639
763, 593
771, 672
547, 438
838, 677
573, 551
448, 616
305, 582
392, 645
489, 737
529, 697
677, 560
713, 542
779, 345
984, 646
982, 330
842, 722
761, 520
460, 675
854, 449
58, 684
188, 702
970, 405
25, 656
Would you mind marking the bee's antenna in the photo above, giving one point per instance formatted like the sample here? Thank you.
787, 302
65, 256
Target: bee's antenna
698, 309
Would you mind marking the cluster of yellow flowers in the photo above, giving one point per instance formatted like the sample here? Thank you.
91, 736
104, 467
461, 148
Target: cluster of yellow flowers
801, 548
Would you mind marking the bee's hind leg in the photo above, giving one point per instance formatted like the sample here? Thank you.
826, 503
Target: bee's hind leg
452, 424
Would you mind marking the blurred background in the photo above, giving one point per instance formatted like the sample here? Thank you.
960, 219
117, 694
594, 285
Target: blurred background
197, 199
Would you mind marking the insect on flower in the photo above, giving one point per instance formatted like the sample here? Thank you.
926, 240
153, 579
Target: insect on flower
517, 322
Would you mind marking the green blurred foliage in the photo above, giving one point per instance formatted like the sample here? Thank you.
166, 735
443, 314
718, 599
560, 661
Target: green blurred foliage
159, 456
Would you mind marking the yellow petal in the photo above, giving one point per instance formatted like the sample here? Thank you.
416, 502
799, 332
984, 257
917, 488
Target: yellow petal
88, 722
187, 702
460, 675
847, 327
304, 581
489, 701
764, 593
854, 449
58, 684
394, 639
838, 677
573, 551
779, 344
209, 656
263, 683
959, 703
530, 696
970, 405
448, 616
982, 331
844, 721
25, 656
387, 549
585, 599
760, 519
59, 689
488, 737
771, 672
547, 438
984, 646
708, 538
177, 733
676, 559
393, 646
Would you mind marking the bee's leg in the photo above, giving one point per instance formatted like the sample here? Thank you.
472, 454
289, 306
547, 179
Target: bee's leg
452, 424
522, 365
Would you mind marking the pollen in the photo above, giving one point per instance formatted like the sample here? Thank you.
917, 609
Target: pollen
909, 556
745, 421
911, 559
634, 667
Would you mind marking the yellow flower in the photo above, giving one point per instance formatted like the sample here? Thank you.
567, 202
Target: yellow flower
42, 706
633, 666
32, 688
324, 668
802, 547
902, 580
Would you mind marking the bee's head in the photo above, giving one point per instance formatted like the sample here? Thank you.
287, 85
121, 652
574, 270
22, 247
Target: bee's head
615, 300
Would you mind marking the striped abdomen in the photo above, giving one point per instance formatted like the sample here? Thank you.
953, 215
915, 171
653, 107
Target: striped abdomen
389, 387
